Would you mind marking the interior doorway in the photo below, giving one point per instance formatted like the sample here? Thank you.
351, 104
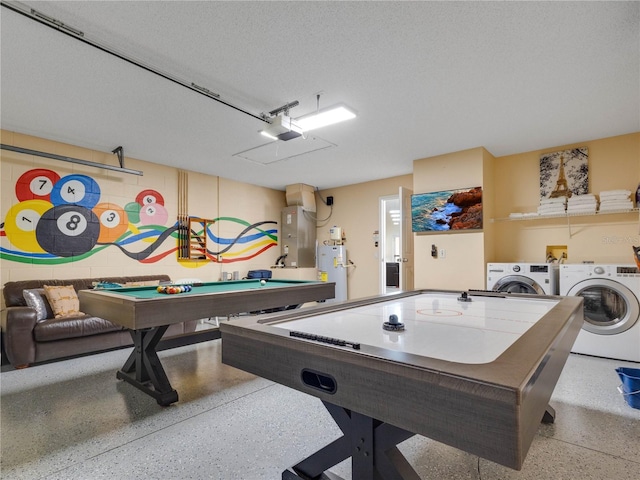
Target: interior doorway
396, 243
390, 246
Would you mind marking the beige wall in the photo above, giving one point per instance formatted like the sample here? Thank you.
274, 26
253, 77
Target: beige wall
255, 204
356, 210
208, 197
463, 266
510, 184
614, 163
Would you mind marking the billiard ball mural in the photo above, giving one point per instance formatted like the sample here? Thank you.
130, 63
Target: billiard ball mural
60, 219
36, 185
67, 230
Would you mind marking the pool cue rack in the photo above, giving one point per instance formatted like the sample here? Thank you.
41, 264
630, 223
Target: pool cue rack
192, 238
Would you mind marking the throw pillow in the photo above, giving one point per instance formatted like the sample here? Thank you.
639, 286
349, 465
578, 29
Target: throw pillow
64, 300
36, 299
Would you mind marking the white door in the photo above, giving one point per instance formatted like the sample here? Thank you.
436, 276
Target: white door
406, 240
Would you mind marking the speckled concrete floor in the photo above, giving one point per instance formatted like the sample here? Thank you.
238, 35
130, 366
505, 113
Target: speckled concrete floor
73, 420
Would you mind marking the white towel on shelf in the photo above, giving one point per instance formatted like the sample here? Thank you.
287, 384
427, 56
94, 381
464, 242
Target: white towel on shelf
582, 199
551, 210
615, 193
559, 208
582, 206
622, 202
516, 215
614, 198
552, 201
581, 209
619, 205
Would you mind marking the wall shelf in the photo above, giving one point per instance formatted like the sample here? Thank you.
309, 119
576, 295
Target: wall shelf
567, 216
564, 215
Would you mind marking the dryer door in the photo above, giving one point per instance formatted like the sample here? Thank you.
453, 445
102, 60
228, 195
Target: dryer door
609, 306
518, 284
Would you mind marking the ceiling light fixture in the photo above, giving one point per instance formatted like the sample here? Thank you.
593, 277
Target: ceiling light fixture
283, 127
328, 116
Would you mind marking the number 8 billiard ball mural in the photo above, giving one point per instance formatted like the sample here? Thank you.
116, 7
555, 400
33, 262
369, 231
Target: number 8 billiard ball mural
68, 230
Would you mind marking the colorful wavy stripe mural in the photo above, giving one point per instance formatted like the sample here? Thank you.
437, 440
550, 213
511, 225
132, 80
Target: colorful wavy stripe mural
60, 220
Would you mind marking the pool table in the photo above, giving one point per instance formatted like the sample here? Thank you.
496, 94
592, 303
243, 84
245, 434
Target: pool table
474, 370
148, 313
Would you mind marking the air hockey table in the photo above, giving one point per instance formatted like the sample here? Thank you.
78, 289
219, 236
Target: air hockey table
148, 313
474, 370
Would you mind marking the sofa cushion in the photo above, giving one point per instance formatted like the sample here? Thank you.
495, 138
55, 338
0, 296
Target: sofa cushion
63, 300
72, 327
37, 299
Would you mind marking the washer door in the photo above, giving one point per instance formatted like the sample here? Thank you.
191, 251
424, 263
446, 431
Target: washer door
518, 284
609, 306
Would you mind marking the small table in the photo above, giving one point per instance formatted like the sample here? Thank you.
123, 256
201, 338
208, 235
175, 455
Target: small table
148, 314
473, 370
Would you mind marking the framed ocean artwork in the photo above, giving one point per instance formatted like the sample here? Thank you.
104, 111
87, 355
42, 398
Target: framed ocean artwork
447, 210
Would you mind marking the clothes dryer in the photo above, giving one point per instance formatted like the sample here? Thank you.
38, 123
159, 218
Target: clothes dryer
611, 308
532, 278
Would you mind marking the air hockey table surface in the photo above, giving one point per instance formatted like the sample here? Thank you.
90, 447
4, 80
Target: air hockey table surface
473, 371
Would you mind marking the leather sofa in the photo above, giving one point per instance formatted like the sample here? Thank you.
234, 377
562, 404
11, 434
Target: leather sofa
28, 341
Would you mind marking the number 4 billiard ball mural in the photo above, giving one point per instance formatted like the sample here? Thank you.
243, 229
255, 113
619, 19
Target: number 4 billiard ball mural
62, 216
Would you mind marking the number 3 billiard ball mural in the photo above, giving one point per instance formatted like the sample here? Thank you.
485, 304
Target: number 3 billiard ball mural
61, 219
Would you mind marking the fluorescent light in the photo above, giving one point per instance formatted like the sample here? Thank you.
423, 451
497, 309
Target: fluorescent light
327, 116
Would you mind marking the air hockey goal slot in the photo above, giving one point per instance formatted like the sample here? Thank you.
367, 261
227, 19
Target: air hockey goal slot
320, 381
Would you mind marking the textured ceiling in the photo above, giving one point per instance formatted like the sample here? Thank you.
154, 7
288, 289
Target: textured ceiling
426, 78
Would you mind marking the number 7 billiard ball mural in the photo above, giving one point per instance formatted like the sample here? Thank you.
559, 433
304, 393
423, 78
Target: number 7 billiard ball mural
60, 219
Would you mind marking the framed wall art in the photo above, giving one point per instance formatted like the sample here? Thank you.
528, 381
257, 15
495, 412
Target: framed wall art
447, 210
564, 173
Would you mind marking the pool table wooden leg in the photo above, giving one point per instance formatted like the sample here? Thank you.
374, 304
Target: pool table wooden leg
143, 368
370, 443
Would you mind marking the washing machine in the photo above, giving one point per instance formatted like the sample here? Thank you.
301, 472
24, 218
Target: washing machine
532, 278
611, 308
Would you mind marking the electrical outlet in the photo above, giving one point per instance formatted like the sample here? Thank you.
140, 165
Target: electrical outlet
443, 253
